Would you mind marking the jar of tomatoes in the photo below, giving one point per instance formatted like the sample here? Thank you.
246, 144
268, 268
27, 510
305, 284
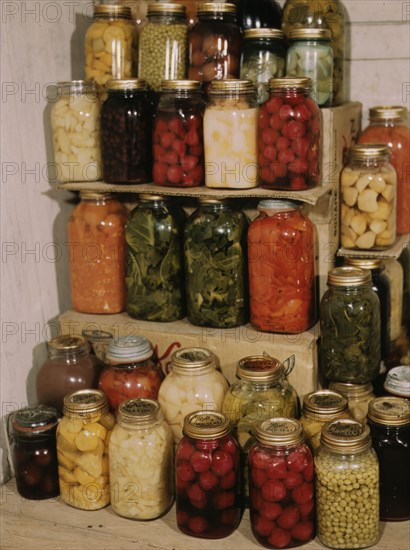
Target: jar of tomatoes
281, 485
281, 260
131, 370
208, 489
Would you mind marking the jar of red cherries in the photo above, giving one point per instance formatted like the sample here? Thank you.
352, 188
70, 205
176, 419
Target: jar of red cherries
208, 492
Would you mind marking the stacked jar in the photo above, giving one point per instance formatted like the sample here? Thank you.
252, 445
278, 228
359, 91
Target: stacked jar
358, 397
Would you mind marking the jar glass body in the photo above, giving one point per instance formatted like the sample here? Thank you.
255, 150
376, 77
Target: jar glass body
394, 273
215, 266
96, 235
154, 272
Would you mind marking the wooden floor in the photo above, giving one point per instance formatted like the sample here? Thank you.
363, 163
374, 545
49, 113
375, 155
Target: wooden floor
52, 525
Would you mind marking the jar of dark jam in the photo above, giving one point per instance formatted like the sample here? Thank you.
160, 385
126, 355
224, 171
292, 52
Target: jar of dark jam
389, 422
32, 435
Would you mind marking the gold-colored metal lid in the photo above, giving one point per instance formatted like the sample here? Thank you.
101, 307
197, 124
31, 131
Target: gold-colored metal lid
348, 276
160, 8
351, 390
189, 85
95, 195
138, 411
34, 419
193, 359
112, 10
231, 86
66, 342
319, 34
285, 83
208, 200
118, 85
391, 411
325, 404
206, 425
149, 197
280, 431
388, 112
367, 151
365, 263
345, 435
216, 7
85, 402
263, 33
258, 368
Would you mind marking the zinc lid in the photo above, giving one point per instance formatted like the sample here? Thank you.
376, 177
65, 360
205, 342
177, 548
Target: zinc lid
324, 403
320, 34
365, 263
158, 8
280, 431
351, 390
389, 112
138, 411
129, 348
231, 86
215, 7
393, 411
348, 276
264, 33
34, 419
118, 84
345, 435
285, 83
66, 342
189, 85
112, 10
192, 359
149, 197
259, 368
397, 381
85, 402
369, 151
206, 425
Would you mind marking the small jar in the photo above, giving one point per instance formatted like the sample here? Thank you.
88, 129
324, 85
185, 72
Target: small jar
263, 57
32, 436
281, 265
358, 397
230, 135
208, 489
98, 339
109, 43
154, 270
395, 274
215, 265
347, 486
82, 450
163, 44
96, 237
131, 371
141, 461
368, 199
350, 327
310, 54
193, 384
70, 366
178, 145
289, 136
281, 485
389, 422
75, 123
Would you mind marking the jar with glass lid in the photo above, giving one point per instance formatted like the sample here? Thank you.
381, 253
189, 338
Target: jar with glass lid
347, 486
358, 397
141, 461
192, 384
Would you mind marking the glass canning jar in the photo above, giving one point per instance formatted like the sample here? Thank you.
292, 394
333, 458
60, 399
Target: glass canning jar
192, 384
208, 482
394, 272
281, 485
368, 199
289, 136
141, 461
82, 450
358, 397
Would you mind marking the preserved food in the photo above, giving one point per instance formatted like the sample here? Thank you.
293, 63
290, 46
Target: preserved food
358, 397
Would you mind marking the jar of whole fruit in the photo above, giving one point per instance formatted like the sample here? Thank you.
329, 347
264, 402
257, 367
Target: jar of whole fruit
208, 488
358, 397
281, 485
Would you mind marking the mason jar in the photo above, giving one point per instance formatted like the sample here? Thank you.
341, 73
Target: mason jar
358, 397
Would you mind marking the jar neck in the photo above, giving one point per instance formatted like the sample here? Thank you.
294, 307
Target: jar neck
126, 93
70, 355
222, 16
279, 448
127, 364
167, 17
387, 428
280, 214
208, 444
289, 93
97, 201
346, 451
259, 385
188, 370
388, 122
141, 423
214, 207
370, 163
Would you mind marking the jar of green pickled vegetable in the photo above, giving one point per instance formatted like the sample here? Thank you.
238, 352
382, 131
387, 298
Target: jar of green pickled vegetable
154, 274
215, 265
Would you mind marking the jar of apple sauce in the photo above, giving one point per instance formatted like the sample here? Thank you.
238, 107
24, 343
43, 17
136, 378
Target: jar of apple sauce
358, 397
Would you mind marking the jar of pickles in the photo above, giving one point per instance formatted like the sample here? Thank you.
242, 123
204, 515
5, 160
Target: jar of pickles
281, 265
358, 397
347, 486
96, 238
289, 136
193, 384
208, 488
368, 199
141, 461
281, 485
82, 450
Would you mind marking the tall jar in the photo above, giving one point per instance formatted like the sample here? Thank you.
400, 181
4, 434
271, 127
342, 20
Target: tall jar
347, 486
368, 199
69, 367
109, 42
263, 57
154, 270
178, 145
141, 461
259, 14
215, 265
328, 14
389, 125
230, 135
163, 44
395, 274
289, 136
281, 485
193, 384
131, 371
126, 127
281, 265
32, 436
208, 483
96, 238
82, 449
75, 123
358, 397
389, 422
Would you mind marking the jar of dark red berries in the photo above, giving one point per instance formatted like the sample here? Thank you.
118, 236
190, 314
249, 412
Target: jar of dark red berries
208, 491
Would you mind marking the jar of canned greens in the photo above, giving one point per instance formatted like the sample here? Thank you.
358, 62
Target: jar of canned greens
82, 450
192, 384
395, 274
215, 265
178, 145
208, 482
368, 199
389, 422
141, 461
281, 485
358, 397
350, 327
75, 123
163, 44
154, 270
109, 42
347, 486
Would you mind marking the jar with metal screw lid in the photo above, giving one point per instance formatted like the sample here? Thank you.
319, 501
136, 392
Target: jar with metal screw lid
358, 397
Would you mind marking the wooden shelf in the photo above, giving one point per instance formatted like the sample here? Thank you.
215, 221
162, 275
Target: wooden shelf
393, 252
